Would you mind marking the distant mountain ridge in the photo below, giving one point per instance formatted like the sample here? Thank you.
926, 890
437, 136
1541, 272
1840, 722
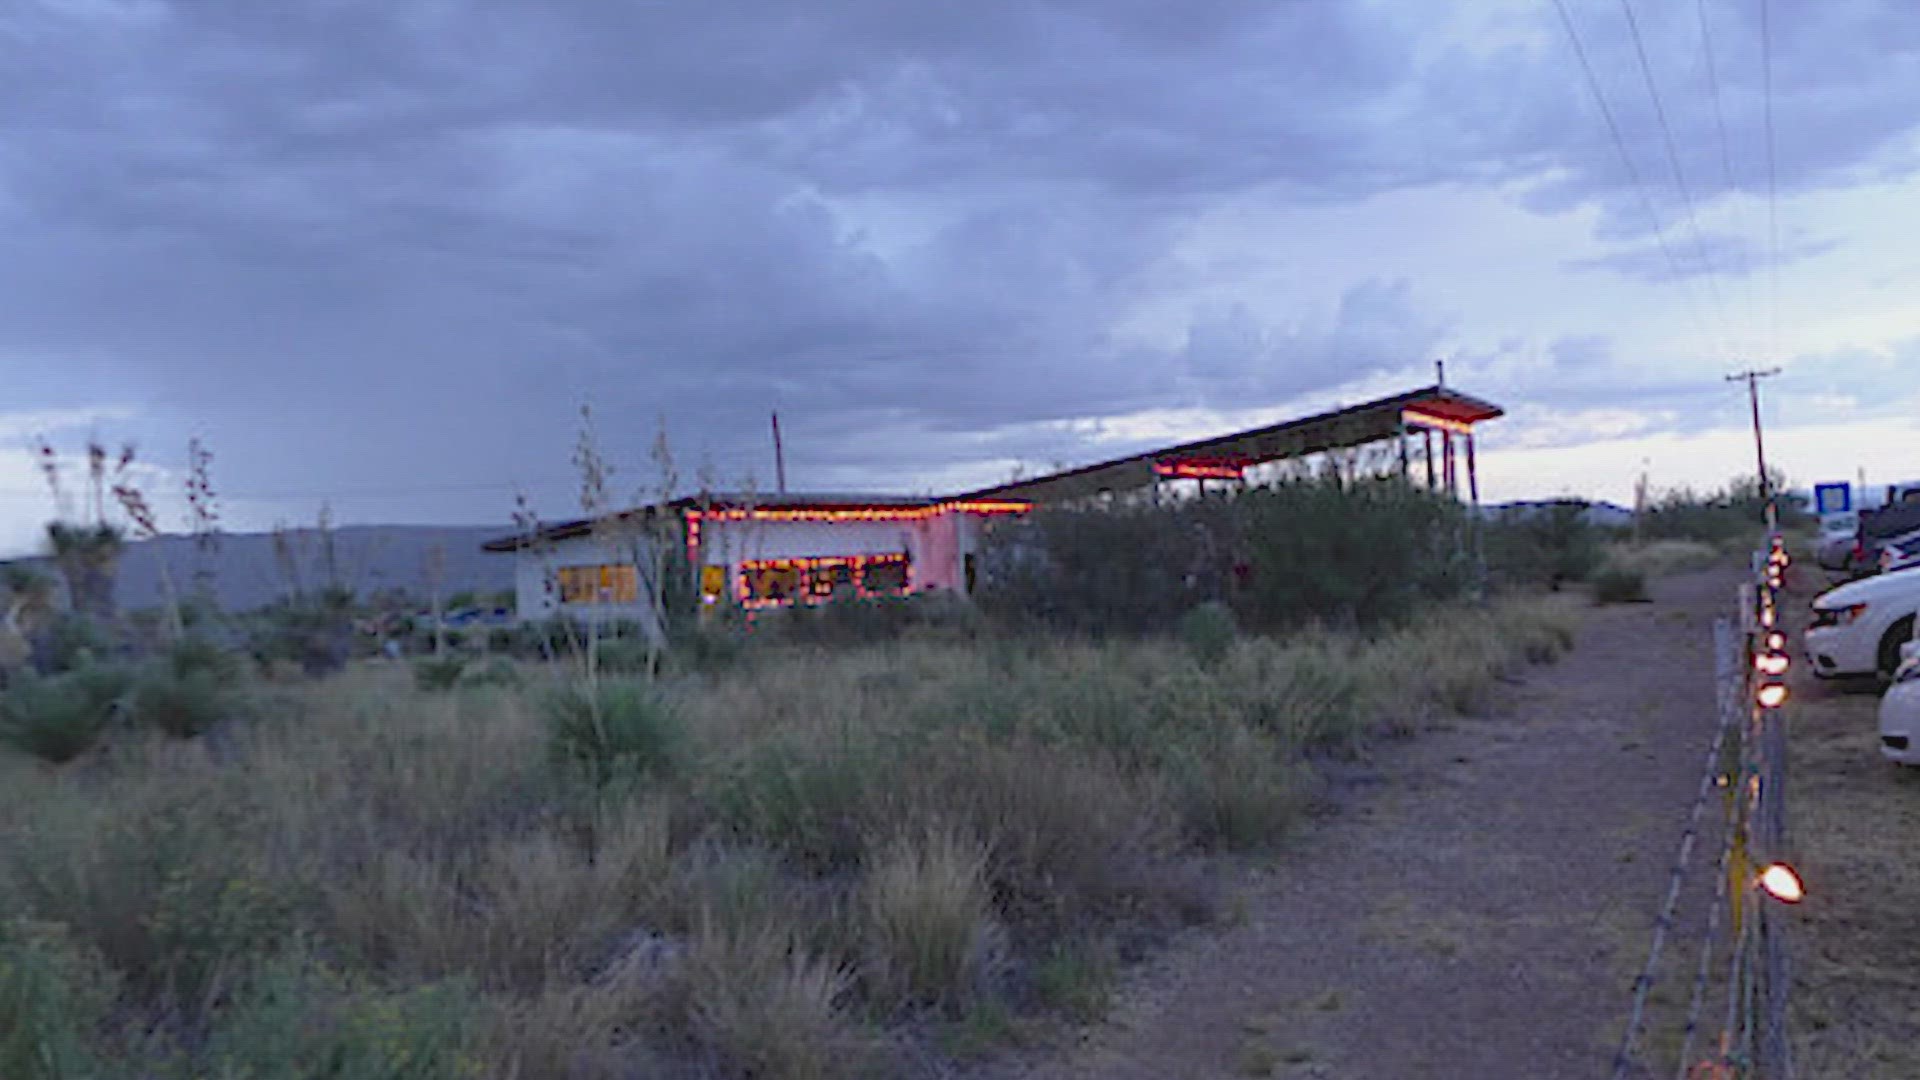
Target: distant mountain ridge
246, 574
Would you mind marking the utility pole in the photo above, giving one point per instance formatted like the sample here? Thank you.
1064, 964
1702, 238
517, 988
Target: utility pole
779, 457
1752, 379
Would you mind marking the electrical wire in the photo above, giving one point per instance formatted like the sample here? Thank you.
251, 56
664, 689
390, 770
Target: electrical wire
1679, 172
1680, 276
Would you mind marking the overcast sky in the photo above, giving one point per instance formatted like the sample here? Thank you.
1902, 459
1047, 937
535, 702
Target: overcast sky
379, 251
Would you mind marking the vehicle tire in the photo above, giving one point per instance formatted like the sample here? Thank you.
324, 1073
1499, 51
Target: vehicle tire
1897, 635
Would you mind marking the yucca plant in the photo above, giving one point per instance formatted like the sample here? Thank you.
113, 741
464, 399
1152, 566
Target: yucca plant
613, 729
57, 718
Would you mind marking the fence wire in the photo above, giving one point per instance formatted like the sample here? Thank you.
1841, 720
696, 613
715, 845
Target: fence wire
1753, 1041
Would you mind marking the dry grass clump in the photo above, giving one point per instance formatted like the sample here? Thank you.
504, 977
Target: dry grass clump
763, 1005
932, 934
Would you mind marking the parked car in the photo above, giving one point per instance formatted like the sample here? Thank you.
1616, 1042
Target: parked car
1900, 553
1900, 710
1858, 627
1839, 536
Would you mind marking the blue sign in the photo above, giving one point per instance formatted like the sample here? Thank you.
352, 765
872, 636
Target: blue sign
1832, 498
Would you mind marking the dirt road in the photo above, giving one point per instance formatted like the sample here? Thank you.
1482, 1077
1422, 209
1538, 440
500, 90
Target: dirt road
1479, 904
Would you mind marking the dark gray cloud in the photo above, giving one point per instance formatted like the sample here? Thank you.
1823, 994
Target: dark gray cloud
382, 248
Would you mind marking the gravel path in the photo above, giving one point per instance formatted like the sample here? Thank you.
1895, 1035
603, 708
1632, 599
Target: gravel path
1479, 903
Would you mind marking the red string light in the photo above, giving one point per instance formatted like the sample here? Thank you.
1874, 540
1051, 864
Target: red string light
806, 590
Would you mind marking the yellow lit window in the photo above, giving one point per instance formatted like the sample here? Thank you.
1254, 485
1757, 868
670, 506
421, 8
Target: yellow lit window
608, 584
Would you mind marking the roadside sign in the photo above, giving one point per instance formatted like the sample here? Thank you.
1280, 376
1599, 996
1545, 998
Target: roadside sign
1832, 498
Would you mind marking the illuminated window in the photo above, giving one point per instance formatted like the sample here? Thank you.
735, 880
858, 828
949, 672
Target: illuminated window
606, 584
768, 582
884, 576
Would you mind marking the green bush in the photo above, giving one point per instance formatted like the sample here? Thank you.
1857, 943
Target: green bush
613, 730
1542, 545
1326, 549
54, 997
67, 641
1208, 630
499, 672
438, 672
1617, 584
59, 717
196, 655
182, 704
297, 1019
622, 656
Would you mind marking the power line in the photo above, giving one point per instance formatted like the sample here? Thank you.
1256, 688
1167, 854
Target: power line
1741, 270
1673, 159
1633, 171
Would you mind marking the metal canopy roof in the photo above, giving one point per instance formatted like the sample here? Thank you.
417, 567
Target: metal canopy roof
1357, 425
1353, 426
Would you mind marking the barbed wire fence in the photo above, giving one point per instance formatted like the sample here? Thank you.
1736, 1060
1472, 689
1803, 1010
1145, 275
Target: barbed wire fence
1742, 927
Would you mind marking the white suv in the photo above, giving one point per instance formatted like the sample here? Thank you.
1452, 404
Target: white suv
1859, 627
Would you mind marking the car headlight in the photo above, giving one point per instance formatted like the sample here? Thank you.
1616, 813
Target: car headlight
1838, 616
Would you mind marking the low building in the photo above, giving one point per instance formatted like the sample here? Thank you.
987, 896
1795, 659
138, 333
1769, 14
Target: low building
758, 551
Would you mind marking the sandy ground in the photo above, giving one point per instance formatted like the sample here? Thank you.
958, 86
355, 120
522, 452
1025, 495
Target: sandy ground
1478, 904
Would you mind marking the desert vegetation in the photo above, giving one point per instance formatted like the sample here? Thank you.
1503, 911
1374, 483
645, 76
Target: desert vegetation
805, 859
819, 843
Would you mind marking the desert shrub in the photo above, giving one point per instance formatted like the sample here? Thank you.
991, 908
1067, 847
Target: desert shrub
1243, 793
1117, 569
69, 640
1323, 549
627, 655
182, 701
297, 1019
59, 717
195, 655
1661, 557
712, 645
1208, 631
499, 672
613, 729
929, 920
766, 1007
54, 996
814, 800
1077, 978
438, 672
1343, 553
1553, 544
1618, 584
156, 882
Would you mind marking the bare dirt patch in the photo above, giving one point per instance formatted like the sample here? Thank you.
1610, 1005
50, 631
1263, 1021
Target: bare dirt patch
1479, 901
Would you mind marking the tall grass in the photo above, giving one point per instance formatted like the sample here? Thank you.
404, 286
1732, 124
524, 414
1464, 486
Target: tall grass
741, 875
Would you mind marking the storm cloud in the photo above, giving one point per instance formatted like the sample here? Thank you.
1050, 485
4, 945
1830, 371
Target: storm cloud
382, 249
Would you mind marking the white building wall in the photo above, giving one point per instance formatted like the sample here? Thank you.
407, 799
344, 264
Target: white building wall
534, 599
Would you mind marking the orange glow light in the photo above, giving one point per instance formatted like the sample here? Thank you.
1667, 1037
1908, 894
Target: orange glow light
1199, 470
1771, 695
1781, 882
1771, 663
806, 591
865, 513
1766, 616
1440, 423
1776, 641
